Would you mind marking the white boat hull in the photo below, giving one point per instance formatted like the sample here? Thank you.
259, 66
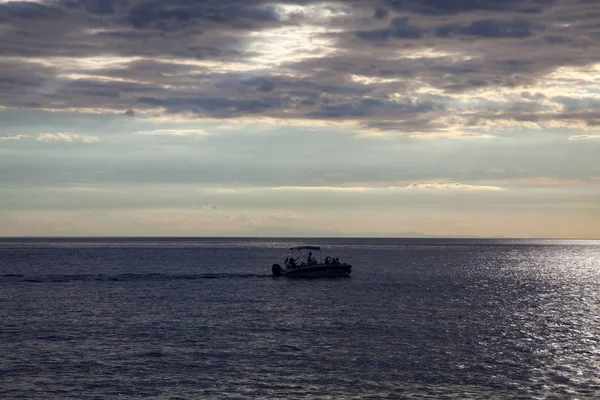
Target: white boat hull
313, 271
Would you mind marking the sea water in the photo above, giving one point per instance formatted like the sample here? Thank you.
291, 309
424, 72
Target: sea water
204, 318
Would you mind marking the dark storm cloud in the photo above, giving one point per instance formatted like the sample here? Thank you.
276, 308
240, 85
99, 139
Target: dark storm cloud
261, 84
160, 14
20, 78
23, 10
100, 7
210, 106
399, 28
177, 55
372, 107
451, 7
488, 28
380, 13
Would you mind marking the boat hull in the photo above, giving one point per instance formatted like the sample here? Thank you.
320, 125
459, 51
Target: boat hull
318, 271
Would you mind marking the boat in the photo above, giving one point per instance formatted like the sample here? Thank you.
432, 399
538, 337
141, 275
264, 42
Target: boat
302, 264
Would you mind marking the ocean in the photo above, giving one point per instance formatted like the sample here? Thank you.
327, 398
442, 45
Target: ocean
187, 318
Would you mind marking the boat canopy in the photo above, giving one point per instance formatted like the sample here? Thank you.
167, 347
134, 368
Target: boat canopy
305, 248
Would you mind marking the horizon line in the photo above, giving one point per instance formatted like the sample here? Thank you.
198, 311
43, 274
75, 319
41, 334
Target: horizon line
457, 237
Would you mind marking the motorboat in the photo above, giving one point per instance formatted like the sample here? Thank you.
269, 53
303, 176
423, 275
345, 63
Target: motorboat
303, 264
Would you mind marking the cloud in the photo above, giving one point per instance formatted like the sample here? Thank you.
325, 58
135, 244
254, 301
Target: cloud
228, 190
584, 137
14, 137
452, 186
488, 28
100, 7
27, 10
320, 188
453, 7
284, 217
173, 132
397, 67
380, 13
553, 182
66, 137
158, 14
399, 28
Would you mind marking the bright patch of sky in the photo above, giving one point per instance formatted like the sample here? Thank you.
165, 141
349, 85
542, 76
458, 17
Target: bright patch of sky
288, 45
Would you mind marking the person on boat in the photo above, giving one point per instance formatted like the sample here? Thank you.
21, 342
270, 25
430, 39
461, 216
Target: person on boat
292, 262
327, 260
310, 260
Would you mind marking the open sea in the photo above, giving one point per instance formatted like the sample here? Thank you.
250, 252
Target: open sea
204, 319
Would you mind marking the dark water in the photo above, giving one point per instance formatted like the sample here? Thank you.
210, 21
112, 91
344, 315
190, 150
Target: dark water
203, 318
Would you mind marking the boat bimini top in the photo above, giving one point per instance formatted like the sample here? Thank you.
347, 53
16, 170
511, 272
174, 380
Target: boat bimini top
305, 248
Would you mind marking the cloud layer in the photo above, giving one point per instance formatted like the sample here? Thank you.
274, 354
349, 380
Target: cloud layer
60, 137
417, 67
259, 115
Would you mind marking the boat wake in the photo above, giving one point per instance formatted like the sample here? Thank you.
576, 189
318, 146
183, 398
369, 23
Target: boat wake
125, 277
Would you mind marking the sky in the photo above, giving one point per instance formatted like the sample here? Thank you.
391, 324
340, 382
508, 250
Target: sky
365, 118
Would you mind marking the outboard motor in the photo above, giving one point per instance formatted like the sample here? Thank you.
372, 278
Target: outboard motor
276, 269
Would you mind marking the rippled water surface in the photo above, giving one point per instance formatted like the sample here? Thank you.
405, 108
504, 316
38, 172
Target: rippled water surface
203, 318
